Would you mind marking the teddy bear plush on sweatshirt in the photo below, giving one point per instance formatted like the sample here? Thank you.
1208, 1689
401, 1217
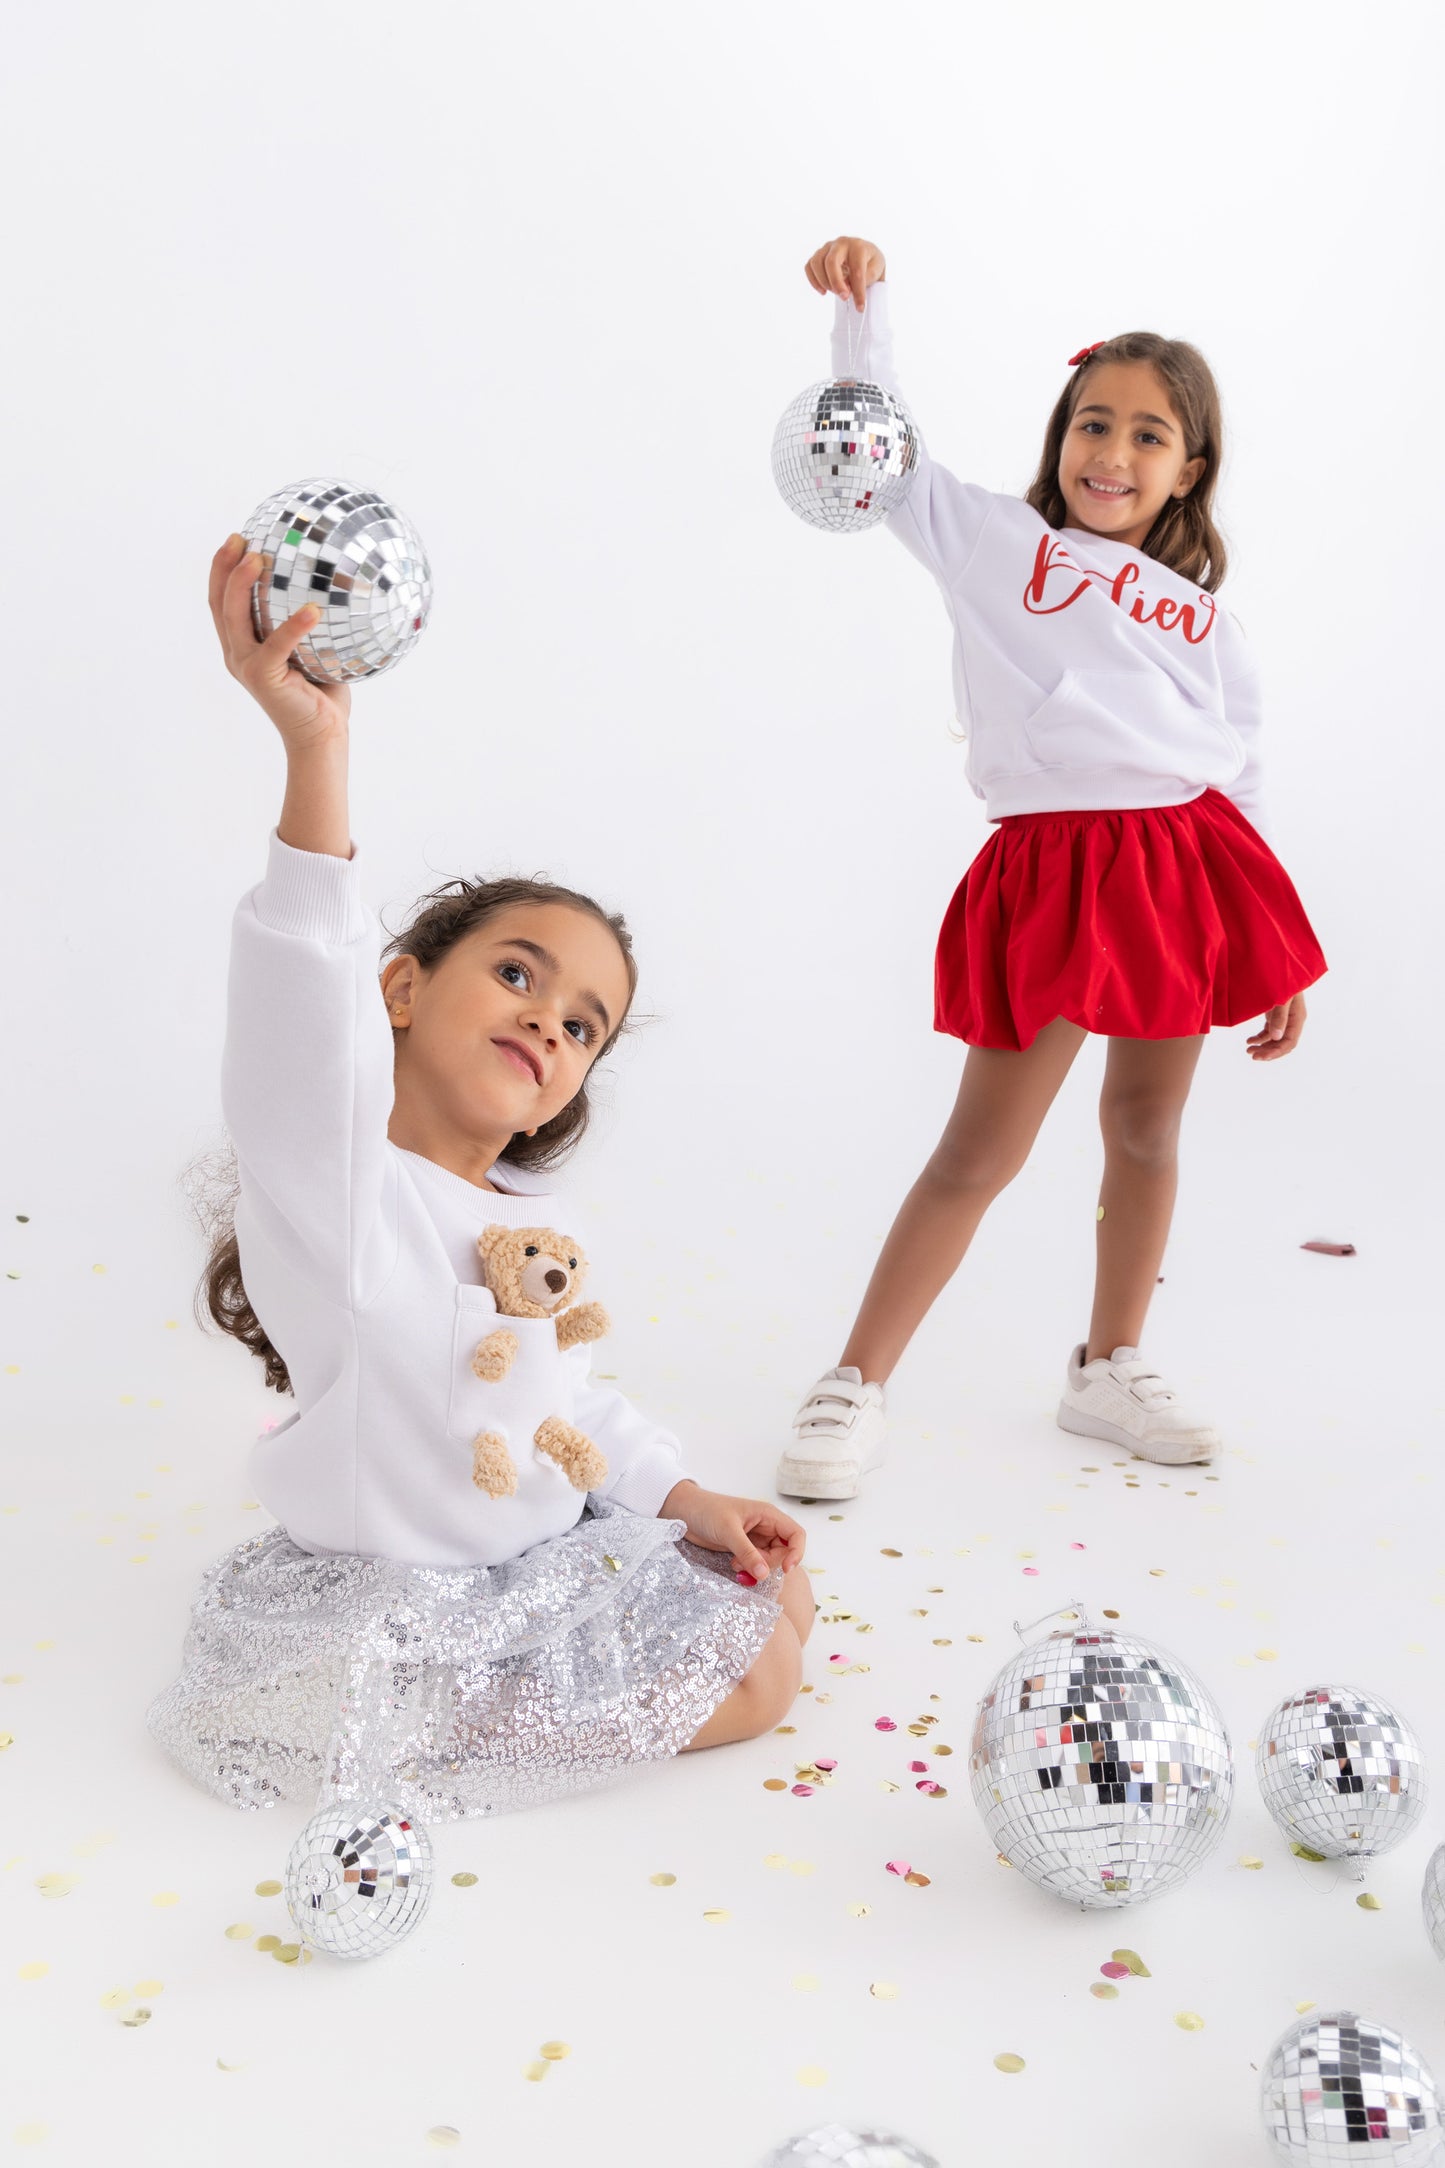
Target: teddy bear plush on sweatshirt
534, 1272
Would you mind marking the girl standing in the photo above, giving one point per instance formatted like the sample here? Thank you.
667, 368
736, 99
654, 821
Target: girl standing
1128, 890
492, 1582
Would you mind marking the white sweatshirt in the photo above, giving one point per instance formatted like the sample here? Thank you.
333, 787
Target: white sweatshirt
1086, 674
360, 1261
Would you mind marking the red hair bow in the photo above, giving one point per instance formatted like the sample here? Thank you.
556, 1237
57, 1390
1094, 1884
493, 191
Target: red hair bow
1085, 351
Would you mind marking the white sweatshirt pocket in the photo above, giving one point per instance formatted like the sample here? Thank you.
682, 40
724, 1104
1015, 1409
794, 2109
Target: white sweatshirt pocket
538, 1381
1132, 722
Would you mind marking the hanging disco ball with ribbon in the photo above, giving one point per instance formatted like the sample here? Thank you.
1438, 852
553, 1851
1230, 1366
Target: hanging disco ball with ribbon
834, 2147
358, 559
1341, 2092
1341, 1772
1101, 1766
844, 455
359, 1879
1432, 1900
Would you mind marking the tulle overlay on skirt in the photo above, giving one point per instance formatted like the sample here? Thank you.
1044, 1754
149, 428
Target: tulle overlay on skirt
1151, 923
456, 1691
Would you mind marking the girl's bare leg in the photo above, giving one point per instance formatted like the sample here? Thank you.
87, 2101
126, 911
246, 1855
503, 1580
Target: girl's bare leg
1146, 1082
764, 1697
1001, 1103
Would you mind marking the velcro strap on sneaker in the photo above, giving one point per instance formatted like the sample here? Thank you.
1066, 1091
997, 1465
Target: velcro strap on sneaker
833, 1404
1145, 1385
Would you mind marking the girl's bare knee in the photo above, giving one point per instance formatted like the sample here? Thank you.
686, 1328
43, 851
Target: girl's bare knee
771, 1687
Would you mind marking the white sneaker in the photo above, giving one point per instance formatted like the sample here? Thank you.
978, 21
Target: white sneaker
1120, 1398
838, 1436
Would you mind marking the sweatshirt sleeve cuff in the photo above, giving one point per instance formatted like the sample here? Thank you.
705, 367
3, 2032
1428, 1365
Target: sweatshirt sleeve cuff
312, 895
645, 1482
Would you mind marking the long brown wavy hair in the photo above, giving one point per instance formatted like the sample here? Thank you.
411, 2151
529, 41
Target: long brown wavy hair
439, 920
1184, 535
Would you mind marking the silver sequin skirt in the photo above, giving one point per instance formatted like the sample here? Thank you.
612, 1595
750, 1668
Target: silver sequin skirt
454, 1691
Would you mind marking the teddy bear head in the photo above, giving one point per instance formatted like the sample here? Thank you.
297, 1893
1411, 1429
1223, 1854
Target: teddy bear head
531, 1271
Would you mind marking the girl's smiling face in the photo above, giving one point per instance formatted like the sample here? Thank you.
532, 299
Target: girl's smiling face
499, 1034
1123, 453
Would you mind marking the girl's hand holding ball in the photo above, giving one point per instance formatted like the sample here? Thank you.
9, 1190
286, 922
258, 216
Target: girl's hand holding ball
847, 266
307, 715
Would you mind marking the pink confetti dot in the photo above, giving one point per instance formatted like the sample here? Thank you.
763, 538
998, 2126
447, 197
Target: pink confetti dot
821, 1763
884, 1723
802, 1791
1032, 1572
899, 1866
1078, 1546
1114, 1971
837, 1659
917, 1767
928, 1785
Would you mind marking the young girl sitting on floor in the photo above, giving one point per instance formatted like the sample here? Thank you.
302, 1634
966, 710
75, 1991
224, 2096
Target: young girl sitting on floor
490, 1585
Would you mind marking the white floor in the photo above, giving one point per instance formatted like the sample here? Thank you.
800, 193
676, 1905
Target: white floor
784, 1977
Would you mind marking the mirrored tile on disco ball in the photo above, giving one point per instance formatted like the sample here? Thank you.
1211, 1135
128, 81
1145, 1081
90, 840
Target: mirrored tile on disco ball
1432, 1900
359, 1879
1341, 1771
1101, 1767
1339, 2091
844, 454
354, 555
833, 2146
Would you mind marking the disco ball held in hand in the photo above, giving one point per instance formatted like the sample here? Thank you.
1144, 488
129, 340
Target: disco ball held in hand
358, 559
834, 2147
1101, 1767
844, 455
1339, 2092
1341, 1771
359, 1879
1432, 1900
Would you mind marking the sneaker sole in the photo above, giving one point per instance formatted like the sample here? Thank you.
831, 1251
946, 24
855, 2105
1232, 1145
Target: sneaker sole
1184, 1455
794, 1480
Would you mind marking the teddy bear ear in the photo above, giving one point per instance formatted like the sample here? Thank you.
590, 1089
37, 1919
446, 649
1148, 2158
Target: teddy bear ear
488, 1239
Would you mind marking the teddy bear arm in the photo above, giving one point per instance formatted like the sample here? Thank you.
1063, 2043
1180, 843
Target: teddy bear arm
495, 1356
493, 1469
589, 1321
575, 1454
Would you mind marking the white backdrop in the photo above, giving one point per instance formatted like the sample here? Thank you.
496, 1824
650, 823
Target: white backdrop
538, 273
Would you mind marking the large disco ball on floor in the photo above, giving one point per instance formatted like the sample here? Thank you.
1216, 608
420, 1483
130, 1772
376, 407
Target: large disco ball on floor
1101, 1767
359, 1879
844, 454
358, 559
1341, 1771
1341, 2092
832, 2146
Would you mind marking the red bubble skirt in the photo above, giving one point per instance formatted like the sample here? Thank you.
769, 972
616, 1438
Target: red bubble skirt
1152, 923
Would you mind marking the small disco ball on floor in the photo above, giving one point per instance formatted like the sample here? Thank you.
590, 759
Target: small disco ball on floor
1340, 2092
1432, 1900
844, 455
834, 2147
1341, 1771
1101, 1767
358, 559
359, 1879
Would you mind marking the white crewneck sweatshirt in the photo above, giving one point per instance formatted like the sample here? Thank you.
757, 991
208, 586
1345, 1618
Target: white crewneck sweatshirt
1086, 675
360, 1260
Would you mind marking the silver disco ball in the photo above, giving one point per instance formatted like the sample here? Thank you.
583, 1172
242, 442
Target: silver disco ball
1101, 1767
1339, 2092
358, 559
359, 1879
1341, 1771
1432, 1900
834, 2147
845, 454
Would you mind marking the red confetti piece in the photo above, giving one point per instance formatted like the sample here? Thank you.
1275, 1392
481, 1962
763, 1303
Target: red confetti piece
884, 1723
802, 1791
899, 1867
1330, 1249
1113, 1971
916, 1766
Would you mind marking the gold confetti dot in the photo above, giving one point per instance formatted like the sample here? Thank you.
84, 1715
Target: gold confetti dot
1302, 1851
775, 1784
241, 1931
1267, 1656
812, 2075
1104, 1991
35, 1970
1009, 2064
716, 1917
773, 1859
114, 1997
1369, 1902
785, 1731
1248, 1859
12, 1678
165, 1898
31, 2133
7, 1738
1301, 2007
97, 1268
1156, 1573
443, 2137
228, 2066
977, 1637
266, 1943
890, 1554
535, 2072
806, 1982
555, 2051
268, 1889
141, 2016
287, 1953
1189, 2021
1134, 1961
152, 1988
56, 1885
883, 1990
802, 1866
859, 1911
464, 1881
